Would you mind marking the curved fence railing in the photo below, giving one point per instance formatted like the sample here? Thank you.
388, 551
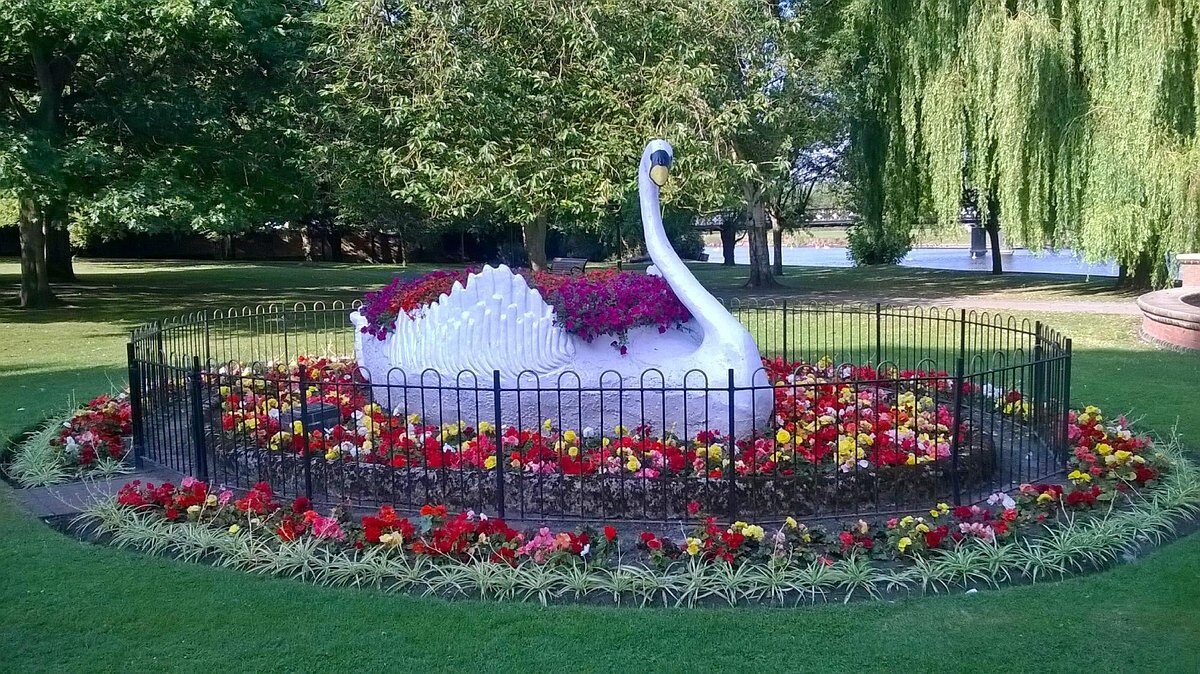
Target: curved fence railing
873, 409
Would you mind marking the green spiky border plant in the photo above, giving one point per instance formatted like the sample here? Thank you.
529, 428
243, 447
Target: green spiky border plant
37, 462
1074, 543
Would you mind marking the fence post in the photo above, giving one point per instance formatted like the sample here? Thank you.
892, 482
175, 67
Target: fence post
878, 335
1039, 376
731, 448
304, 429
956, 431
499, 446
1066, 401
135, 404
198, 445
207, 343
962, 333
786, 352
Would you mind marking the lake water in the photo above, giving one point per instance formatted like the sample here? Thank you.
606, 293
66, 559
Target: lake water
955, 259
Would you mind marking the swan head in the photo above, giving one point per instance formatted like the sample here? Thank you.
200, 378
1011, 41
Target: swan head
656, 161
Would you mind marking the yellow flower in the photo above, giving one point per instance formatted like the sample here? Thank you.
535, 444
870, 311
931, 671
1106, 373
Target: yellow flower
1045, 497
211, 500
332, 454
791, 522
484, 427
632, 465
693, 546
922, 528
547, 424
572, 451
233, 528
714, 452
570, 436
903, 543
754, 532
783, 437
1077, 476
1103, 448
619, 429
490, 462
193, 510
1122, 455
297, 427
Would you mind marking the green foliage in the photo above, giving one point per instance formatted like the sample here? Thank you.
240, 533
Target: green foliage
872, 245
1079, 118
151, 115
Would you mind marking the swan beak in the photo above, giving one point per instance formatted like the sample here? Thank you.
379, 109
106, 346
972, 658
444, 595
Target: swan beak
660, 163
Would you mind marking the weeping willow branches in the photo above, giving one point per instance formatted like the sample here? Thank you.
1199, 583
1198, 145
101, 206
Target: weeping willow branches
1077, 119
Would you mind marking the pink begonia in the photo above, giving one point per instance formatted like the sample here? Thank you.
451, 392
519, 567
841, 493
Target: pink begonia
540, 546
225, 497
187, 482
327, 527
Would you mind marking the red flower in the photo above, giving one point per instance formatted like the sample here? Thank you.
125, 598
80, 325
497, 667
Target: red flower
693, 507
301, 505
933, 537
610, 533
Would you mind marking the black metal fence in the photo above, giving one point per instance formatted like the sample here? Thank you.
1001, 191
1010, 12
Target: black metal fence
891, 409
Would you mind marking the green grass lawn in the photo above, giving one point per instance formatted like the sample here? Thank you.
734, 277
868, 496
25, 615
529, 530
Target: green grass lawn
70, 606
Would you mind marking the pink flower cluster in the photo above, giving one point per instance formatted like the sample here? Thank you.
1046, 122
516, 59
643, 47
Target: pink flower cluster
603, 302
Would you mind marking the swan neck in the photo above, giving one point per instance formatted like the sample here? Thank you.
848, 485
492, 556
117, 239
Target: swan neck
713, 318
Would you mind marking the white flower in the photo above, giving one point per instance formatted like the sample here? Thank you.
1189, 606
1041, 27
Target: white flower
586, 549
1003, 499
589, 432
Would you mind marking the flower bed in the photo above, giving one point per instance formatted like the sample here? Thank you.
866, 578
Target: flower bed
841, 437
590, 305
92, 440
1044, 530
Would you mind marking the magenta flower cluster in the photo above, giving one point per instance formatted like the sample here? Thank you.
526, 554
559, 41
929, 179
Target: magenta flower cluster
590, 305
611, 303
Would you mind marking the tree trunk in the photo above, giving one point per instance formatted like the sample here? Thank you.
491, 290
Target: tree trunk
756, 234
335, 245
993, 229
534, 234
728, 241
59, 266
306, 242
1141, 276
35, 279
776, 240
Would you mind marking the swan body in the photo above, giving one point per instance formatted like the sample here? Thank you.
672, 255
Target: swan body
441, 364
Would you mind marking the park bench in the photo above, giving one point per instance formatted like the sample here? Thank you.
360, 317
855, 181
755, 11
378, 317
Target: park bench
568, 266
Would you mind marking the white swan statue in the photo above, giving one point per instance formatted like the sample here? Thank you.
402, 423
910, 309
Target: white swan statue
442, 363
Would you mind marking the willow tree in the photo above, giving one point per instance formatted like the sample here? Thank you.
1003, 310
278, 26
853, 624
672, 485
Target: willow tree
1073, 122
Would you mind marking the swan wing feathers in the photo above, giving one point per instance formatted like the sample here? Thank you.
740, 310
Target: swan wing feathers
494, 322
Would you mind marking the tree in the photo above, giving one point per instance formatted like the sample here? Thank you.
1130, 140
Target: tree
532, 109
118, 115
766, 91
810, 167
1075, 121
